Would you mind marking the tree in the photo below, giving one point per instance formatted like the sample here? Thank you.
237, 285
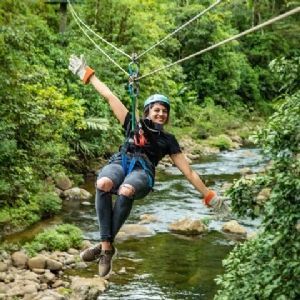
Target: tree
35, 114
268, 266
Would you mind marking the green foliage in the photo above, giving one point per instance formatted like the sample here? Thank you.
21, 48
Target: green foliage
73, 232
96, 123
262, 268
33, 115
61, 238
5, 215
287, 73
53, 240
22, 215
211, 120
63, 290
49, 203
244, 196
206, 221
10, 247
222, 142
33, 248
30, 207
266, 44
269, 264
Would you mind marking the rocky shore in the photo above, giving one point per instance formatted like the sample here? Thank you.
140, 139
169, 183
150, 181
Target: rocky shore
46, 277
43, 277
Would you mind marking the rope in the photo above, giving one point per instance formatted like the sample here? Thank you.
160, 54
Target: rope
78, 21
100, 37
181, 27
278, 18
76, 17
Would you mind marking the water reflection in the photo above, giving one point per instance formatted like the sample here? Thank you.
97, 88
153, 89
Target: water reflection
167, 266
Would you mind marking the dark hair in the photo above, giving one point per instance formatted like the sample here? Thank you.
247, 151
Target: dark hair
147, 110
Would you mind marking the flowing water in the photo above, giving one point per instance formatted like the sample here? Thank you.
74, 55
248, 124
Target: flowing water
166, 266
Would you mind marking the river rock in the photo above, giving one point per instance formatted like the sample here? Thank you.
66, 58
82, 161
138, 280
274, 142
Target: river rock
133, 230
233, 227
37, 262
3, 267
193, 156
188, 227
76, 193
3, 288
48, 277
147, 218
245, 171
263, 195
88, 288
20, 259
53, 265
30, 289
63, 182
236, 139
251, 235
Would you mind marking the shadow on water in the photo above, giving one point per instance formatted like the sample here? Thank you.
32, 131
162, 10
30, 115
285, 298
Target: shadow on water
166, 266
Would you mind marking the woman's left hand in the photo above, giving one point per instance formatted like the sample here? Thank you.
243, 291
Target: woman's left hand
217, 204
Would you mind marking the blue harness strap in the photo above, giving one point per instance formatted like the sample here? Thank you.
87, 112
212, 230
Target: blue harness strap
124, 163
132, 164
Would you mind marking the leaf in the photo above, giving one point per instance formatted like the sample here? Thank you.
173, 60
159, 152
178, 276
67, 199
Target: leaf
97, 123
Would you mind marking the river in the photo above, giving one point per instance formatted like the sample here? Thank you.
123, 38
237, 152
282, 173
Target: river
166, 266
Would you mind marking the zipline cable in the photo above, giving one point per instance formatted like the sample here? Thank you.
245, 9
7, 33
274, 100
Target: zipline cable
157, 44
181, 27
278, 18
77, 19
92, 31
93, 42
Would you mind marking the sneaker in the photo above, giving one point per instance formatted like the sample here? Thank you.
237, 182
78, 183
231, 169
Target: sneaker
105, 261
91, 254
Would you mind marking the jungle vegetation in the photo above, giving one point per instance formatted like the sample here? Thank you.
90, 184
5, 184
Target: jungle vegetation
52, 124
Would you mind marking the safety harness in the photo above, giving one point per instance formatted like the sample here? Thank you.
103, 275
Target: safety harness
129, 147
135, 133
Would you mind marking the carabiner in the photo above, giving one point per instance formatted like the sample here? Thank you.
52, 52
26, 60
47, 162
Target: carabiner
139, 139
133, 86
134, 71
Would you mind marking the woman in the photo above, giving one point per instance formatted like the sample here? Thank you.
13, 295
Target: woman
130, 172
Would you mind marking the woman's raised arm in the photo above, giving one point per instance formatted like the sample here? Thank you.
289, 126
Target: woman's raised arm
79, 67
115, 103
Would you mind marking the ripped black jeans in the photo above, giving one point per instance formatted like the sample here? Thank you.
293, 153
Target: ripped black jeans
112, 217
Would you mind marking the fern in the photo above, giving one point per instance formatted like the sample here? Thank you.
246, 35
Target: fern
96, 123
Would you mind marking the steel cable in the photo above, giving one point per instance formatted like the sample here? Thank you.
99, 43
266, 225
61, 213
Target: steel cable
278, 18
181, 27
78, 21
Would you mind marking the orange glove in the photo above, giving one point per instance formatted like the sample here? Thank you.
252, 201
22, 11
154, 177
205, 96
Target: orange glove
218, 205
78, 67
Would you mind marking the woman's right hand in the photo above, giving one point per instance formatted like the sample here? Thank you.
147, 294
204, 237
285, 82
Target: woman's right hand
79, 67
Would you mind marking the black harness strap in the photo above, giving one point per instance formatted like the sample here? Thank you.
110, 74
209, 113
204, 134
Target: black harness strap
129, 146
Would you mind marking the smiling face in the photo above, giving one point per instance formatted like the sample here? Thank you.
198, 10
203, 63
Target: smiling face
158, 113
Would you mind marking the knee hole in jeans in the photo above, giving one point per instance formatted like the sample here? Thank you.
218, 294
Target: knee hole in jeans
105, 184
126, 190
